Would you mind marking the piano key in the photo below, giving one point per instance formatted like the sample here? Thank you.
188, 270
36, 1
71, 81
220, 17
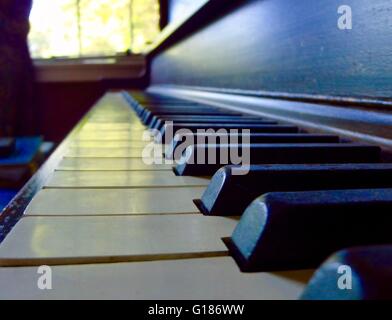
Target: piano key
183, 106
142, 100
254, 128
157, 108
193, 279
148, 118
294, 230
122, 126
110, 112
139, 100
229, 193
368, 271
110, 164
105, 136
160, 123
135, 131
36, 241
106, 202
223, 116
129, 118
121, 179
159, 103
111, 118
105, 152
156, 120
77, 144
214, 138
148, 115
194, 163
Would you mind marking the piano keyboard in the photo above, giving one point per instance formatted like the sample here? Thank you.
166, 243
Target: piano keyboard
113, 227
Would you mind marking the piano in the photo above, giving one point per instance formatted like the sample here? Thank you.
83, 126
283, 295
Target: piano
117, 212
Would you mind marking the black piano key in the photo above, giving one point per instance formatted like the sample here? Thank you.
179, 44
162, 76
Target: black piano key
173, 109
139, 102
221, 116
360, 273
213, 124
180, 106
156, 104
187, 109
168, 132
194, 162
157, 120
299, 230
148, 115
153, 99
179, 128
170, 104
230, 194
209, 119
216, 138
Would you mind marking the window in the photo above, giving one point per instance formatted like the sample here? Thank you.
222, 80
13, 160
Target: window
80, 28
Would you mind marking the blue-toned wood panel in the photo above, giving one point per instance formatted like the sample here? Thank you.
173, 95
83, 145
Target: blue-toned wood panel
182, 8
288, 46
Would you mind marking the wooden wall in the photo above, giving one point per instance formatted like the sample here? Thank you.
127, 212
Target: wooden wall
66, 90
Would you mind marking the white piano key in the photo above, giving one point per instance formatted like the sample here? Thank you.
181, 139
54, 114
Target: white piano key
109, 115
110, 112
87, 131
76, 202
122, 179
110, 164
113, 135
110, 101
113, 126
190, 279
111, 118
105, 144
105, 152
92, 130
74, 240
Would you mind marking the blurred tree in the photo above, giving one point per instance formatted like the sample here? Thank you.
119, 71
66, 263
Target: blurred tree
107, 27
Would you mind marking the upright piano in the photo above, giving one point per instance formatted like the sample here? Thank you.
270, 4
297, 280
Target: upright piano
127, 207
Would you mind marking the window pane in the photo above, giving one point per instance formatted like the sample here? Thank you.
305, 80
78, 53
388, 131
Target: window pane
53, 29
107, 27
145, 23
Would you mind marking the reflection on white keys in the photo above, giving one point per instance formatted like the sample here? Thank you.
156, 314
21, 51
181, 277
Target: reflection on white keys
195, 279
79, 202
71, 240
122, 179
